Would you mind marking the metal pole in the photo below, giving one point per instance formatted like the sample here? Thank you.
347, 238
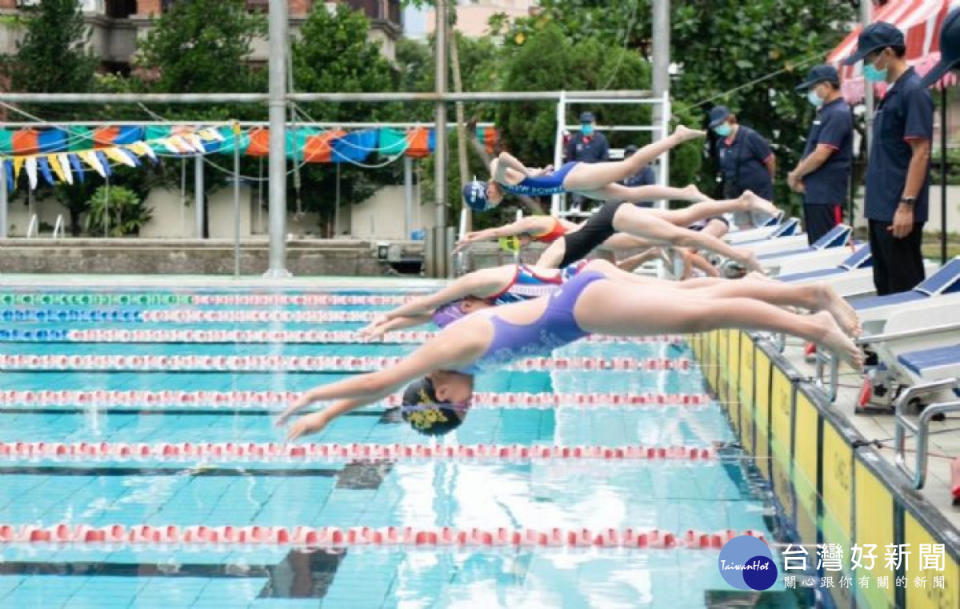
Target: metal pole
943, 175
198, 195
4, 201
336, 206
106, 208
618, 96
440, 152
661, 80
407, 197
278, 139
865, 8
555, 200
236, 201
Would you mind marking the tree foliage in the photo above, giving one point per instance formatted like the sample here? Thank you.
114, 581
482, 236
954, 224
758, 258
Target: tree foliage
51, 57
747, 55
201, 46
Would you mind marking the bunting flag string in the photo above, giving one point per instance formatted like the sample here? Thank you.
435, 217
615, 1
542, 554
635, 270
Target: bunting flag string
61, 155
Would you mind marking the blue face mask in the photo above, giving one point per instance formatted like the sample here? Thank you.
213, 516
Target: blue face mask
814, 99
871, 73
586, 129
723, 130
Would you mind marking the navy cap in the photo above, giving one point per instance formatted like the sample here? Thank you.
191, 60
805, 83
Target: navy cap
718, 115
949, 48
475, 195
874, 37
819, 74
629, 150
587, 117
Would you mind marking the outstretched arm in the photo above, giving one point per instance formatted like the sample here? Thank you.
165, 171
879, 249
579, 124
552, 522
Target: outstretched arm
441, 351
381, 326
480, 284
529, 225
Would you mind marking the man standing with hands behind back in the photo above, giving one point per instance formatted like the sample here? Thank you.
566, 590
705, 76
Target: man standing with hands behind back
586, 146
746, 162
823, 174
899, 163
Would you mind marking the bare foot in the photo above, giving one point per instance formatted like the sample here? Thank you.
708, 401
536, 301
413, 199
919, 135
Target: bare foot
749, 261
841, 310
692, 193
836, 340
758, 275
684, 134
756, 203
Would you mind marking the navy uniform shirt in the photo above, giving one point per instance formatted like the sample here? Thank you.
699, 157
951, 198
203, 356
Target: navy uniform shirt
742, 164
904, 114
833, 127
645, 177
588, 148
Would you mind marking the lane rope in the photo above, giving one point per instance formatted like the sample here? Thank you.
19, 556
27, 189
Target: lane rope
272, 452
167, 335
309, 363
280, 399
228, 535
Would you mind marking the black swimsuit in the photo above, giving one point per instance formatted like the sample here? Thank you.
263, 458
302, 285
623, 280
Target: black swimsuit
598, 229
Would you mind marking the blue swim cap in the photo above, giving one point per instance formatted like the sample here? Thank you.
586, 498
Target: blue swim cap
475, 195
448, 313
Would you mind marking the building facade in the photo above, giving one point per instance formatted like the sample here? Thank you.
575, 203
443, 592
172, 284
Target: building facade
116, 26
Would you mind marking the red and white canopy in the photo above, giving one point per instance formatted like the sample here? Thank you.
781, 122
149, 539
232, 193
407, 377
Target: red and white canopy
919, 20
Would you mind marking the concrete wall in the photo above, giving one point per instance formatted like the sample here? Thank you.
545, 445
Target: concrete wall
382, 216
152, 256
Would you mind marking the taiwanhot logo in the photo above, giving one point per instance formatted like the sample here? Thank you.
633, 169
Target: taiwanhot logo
746, 563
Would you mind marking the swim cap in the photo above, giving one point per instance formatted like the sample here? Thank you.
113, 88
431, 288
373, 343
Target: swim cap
448, 313
426, 414
475, 195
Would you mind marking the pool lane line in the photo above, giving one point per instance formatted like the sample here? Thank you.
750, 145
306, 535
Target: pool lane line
273, 452
238, 400
144, 299
232, 336
308, 363
72, 534
201, 471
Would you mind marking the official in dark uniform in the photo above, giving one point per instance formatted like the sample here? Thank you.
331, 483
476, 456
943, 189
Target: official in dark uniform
746, 162
898, 184
644, 177
586, 146
823, 174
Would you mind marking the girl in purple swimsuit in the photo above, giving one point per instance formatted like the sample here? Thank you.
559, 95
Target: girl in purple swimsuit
592, 180
443, 368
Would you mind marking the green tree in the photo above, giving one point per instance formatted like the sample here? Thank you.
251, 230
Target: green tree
201, 46
52, 57
117, 210
549, 60
334, 54
747, 55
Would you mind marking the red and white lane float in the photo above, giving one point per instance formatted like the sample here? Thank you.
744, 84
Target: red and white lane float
226, 536
167, 335
272, 452
279, 399
308, 300
308, 363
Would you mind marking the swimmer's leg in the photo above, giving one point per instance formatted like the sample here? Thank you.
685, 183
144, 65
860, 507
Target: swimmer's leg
640, 223
623, 309
593, 176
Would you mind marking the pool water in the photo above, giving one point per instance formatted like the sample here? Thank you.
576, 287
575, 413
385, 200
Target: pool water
488, 494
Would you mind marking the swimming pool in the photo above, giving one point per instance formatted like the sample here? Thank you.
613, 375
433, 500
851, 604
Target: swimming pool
141, 467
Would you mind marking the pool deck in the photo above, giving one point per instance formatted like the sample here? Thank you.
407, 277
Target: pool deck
880, 427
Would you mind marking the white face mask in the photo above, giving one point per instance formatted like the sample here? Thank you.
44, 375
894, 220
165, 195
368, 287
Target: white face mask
815, 100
